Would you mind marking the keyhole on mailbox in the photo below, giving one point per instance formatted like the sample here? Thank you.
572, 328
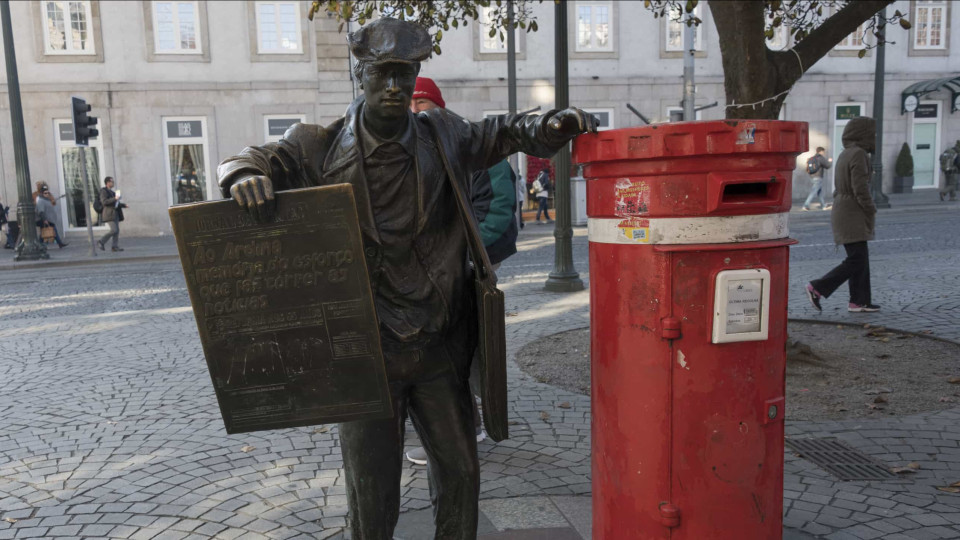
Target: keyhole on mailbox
772, 412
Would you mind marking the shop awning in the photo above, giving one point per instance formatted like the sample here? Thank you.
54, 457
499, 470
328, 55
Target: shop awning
912, 94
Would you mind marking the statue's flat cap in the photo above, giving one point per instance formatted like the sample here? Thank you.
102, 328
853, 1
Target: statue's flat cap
390, 40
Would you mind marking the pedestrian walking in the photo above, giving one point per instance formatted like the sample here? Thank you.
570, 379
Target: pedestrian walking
4, 210
494, 202
853, 219
950, 172
542, 187
816, 166
521, 195
13, 227
47, 212
112, 214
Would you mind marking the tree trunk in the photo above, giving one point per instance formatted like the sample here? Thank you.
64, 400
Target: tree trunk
756, 79
749, 76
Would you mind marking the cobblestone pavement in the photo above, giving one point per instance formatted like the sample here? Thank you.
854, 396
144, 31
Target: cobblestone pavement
109, 425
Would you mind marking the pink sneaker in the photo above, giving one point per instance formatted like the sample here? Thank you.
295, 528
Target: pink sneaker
862, 308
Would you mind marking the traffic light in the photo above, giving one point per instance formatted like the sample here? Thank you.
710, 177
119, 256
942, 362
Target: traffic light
82, 124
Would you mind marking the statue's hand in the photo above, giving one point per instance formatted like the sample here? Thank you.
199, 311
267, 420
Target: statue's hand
572, 122
255, 195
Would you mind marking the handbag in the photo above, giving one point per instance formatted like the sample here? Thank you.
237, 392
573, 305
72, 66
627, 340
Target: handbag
47, 234
492, 342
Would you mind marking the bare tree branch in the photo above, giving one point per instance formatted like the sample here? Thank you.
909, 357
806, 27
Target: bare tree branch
841, 24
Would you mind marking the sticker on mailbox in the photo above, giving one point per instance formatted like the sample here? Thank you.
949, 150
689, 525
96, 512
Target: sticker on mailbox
744, 305
635, 230
631, 199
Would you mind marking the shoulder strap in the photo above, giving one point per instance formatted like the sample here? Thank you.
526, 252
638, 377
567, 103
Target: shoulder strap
477, 252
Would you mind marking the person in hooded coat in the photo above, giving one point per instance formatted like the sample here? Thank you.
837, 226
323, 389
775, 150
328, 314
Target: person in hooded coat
853, 218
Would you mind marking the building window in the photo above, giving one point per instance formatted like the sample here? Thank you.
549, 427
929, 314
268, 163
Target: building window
176, 27
929, 24
853, 42
275, 125
594, 27
492, 44
604, 118
672, 110
186, 144
675, 27
278, 28
780, 39
74, 211
67, 27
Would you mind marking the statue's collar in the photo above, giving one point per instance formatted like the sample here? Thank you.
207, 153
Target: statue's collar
369, 141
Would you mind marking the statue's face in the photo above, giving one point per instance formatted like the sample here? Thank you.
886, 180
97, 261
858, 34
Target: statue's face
388, 88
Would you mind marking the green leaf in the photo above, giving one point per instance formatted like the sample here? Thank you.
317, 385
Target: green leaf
439, 35
492, 32
455, 23
768, 33
436, 49
533, 25
905, 24
862, 53
409, 10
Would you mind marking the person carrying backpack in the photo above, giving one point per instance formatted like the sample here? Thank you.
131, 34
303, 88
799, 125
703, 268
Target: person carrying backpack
950, 171
542, 186
817, 163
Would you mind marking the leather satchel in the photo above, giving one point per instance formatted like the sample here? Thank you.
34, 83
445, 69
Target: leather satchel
492, 342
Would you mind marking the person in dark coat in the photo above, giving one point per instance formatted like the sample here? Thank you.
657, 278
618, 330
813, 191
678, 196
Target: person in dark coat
853, 218
112, 215
416, 251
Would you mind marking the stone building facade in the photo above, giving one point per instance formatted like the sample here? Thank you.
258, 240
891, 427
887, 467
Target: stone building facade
180, 85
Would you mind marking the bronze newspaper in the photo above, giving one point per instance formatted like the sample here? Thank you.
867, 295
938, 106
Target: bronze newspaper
285, 312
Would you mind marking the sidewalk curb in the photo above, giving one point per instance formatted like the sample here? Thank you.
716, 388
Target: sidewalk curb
944, 205
860, 325
85, 262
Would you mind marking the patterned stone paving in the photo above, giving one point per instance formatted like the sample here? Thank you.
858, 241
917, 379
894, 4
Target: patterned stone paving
109, 427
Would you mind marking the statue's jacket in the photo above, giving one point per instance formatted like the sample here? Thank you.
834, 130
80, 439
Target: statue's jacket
312, 155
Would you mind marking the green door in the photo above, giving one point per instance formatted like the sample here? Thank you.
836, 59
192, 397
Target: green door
924, 155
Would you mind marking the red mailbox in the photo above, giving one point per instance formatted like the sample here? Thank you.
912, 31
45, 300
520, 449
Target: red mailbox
688, 315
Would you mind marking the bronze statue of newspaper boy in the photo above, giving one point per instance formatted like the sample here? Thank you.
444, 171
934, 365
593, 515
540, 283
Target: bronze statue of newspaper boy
409, 174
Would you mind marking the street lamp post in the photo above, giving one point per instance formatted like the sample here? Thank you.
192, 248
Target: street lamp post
876, 184
512, 71
689, 88
28, 248
564, 277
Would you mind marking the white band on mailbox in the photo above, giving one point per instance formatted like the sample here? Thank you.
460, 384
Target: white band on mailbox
688, 230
